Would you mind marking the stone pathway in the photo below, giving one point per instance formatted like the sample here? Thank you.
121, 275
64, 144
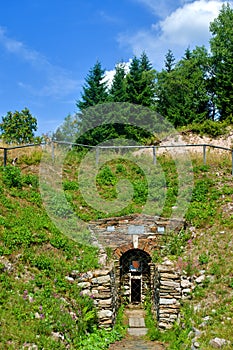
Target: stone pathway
135, 343
137, 329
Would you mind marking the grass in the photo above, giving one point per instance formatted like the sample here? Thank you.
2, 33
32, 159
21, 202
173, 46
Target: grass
38, 304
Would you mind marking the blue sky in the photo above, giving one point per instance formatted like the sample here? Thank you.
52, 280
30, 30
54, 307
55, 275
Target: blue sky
47, 47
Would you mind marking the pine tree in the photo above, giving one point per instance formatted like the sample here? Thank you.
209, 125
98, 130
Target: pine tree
140, 82
94, 90
117, 91
133, 81
169, 61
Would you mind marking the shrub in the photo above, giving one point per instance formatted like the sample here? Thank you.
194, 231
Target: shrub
12, 176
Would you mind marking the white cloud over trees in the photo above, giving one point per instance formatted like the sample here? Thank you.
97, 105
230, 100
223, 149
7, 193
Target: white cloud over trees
186, 26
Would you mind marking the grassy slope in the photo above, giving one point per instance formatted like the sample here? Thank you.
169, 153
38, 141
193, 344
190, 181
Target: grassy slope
35, 297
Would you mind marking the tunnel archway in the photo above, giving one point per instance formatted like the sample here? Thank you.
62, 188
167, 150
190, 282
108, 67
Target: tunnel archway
135, 276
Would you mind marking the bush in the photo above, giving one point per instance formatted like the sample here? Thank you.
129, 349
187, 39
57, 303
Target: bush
12, 177
210, 128
30, 179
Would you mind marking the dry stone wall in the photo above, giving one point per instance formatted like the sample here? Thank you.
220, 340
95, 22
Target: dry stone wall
143, 232
100, 285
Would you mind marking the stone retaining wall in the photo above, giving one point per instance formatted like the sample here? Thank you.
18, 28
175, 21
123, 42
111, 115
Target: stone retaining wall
122, 234
100, 286
169, 287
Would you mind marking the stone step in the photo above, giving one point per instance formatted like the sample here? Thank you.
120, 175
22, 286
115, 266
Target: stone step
136, 322
138, 332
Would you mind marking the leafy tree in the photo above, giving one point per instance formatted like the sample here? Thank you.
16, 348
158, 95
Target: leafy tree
169, 61
94, 90
182, 92
117, 91
19, 127
221, 45
68, 130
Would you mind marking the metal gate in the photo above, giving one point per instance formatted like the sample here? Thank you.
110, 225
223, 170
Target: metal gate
134, 275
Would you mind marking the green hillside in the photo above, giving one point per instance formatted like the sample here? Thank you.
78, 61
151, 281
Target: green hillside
39, 305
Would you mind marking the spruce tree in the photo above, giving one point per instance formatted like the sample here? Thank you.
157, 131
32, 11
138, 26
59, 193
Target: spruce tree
169, 61
117, 92
140, 82
94, 90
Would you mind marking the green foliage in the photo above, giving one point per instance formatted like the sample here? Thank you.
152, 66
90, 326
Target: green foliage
221, 45
150, 320
117, 92
140, 82
174, 243
18, 127
182, 95
203, 258
94, 90
12, 176
31, 180
102, 338
209, 127
178, 337
68, 130
33, 159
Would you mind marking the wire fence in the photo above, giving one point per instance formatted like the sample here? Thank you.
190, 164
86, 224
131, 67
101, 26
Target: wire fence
98, 149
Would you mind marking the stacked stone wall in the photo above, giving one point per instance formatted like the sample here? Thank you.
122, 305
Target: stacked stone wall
100, 285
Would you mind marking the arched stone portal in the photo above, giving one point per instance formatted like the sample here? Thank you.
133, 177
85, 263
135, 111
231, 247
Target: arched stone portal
135, 276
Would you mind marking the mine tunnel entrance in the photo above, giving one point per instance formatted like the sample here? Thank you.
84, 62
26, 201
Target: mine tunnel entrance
135, 279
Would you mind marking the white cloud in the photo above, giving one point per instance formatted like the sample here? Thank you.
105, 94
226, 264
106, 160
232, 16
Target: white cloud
57, 81
187, 26
109, 74
190, 24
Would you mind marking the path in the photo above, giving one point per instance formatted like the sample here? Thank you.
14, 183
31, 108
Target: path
136, 332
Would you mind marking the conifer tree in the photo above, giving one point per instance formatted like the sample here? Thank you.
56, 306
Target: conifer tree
117, 92
140, 82
95, 89
169, 61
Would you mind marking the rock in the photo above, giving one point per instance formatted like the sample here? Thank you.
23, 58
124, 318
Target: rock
218, 342
58, 336
167, 301
197, 333
84, 284
187, 291
30, 346
74, 273
69, 279
186, 283
196, 345
170, 284
200, 279
101, 279
104, 314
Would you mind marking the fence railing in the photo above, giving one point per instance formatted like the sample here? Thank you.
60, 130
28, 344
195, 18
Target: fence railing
6, 149
98, 149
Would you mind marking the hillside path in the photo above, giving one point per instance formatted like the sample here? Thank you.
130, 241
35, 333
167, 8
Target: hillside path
136, 331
